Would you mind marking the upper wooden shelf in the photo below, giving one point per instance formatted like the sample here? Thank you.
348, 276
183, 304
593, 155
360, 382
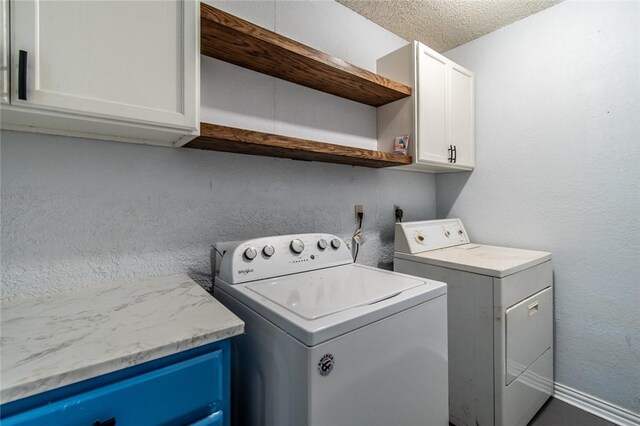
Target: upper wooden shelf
231, 39
229, 139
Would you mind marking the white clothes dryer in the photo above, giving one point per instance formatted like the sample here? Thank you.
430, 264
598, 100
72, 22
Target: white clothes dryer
500, 320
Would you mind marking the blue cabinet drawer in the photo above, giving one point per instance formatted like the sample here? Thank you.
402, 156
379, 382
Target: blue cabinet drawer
188, 392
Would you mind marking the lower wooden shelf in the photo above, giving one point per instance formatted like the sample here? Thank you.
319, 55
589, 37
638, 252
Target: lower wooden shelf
229, 139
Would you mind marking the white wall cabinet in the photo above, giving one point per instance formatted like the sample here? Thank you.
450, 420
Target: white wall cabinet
121, 70
438, 117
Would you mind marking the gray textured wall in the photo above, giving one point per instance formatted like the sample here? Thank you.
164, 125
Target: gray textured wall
558, 155
78, 211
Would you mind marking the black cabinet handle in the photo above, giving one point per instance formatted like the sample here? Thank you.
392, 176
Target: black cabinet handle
108, 422
450, 151
22, 75
454, 154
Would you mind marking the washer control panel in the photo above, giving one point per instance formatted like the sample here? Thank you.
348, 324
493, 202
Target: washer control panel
270, 257
418, 237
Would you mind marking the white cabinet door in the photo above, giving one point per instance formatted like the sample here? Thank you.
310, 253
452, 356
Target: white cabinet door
431, 111
134, 61
461, 111
4, 52
439, 115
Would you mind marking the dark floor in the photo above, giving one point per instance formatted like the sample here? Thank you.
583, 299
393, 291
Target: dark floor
558, 413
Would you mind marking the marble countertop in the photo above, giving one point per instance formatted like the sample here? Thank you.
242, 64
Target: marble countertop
52, 341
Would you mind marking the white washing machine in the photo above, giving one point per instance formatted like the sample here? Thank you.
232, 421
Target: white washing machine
329, 342
500, 307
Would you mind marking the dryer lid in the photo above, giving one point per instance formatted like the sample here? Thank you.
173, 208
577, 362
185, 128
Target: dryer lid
480, 259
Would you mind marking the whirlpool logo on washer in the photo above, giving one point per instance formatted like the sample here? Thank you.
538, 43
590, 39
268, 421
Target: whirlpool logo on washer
244, 271
325, 365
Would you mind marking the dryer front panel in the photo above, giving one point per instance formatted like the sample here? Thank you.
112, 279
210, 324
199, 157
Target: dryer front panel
529, 332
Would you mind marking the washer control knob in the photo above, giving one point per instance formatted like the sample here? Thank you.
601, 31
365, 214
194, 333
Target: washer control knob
322, 244
250, 253
296, 246
335, 243
268, 250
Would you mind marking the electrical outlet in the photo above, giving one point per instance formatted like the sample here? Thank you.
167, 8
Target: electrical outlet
358, 209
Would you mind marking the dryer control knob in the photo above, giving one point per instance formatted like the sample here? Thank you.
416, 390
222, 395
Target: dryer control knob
296, 246
250, 253
322, 244
335, 243
268, 250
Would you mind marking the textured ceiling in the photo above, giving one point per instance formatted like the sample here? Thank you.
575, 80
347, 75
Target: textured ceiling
445, 24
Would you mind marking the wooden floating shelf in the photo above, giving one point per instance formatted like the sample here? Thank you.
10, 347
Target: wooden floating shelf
229, 139
231, 39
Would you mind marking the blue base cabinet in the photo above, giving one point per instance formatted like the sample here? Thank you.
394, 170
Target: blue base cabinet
188, 388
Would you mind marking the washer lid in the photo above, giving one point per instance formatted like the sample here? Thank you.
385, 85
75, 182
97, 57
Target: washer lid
480, 259
320, 305
325, 292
